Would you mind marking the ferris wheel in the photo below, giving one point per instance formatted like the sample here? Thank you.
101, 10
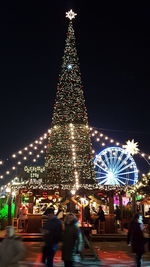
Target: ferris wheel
115, 166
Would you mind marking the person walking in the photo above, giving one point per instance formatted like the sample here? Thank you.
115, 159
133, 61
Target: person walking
135, 237
12, 249
72, 240
52, 236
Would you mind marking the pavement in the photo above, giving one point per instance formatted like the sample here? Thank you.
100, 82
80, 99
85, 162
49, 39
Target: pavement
111, 250
110, 254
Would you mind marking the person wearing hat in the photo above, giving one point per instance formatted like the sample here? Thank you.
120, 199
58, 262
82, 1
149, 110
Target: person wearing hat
11, 249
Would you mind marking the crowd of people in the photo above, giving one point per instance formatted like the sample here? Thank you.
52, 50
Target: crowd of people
65, 234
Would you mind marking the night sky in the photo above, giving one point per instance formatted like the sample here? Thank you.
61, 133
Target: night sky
113, 44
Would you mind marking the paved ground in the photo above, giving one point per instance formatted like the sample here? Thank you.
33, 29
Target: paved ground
111, 254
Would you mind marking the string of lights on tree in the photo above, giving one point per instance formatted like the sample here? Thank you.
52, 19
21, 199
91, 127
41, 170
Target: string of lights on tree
37, 148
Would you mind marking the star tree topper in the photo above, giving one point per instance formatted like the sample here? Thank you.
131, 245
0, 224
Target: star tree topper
131, 147
70, 14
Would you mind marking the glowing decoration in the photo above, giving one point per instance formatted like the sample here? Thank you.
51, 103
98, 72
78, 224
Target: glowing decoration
70, 14
69, 66
1, 162
114, 166
131, 147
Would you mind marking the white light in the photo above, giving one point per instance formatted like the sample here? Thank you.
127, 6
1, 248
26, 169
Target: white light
97, 139
70, 14
111, 140
69, 66
13, 168
35, 147
30, 152
20, 152
25, 158
73, 192
96, 132
41, 151
45, 146
131, 147
34, 160
14, 156
13, 194
117, 144
91, 128
41, 138
31, 145
37, 156
103, 144
1, 176
49, 130
19, 162
93, 151
26, 148
8, 189
1, 162
7, 172
101, 135
143, 155
106, 138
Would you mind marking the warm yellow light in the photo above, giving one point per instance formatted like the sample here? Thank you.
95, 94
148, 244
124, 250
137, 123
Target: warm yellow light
1, 162
7, 172
20, 152
25, 158
26, 148
13, 168
31, 145
30, 152
14, 156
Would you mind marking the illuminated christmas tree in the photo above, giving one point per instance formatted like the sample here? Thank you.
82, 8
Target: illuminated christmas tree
69, 160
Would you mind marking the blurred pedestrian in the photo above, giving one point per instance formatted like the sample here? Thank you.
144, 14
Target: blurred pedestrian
136, 237
11, 249
72, 241
52, 236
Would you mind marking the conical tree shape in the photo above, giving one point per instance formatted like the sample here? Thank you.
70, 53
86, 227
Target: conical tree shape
69, 160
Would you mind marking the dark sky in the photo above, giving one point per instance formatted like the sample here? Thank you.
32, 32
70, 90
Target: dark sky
113, 45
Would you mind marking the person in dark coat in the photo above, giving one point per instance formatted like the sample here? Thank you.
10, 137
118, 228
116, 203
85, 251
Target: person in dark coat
87, 214
101, 217
136, 238
72, 240
52, 236
117, 213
